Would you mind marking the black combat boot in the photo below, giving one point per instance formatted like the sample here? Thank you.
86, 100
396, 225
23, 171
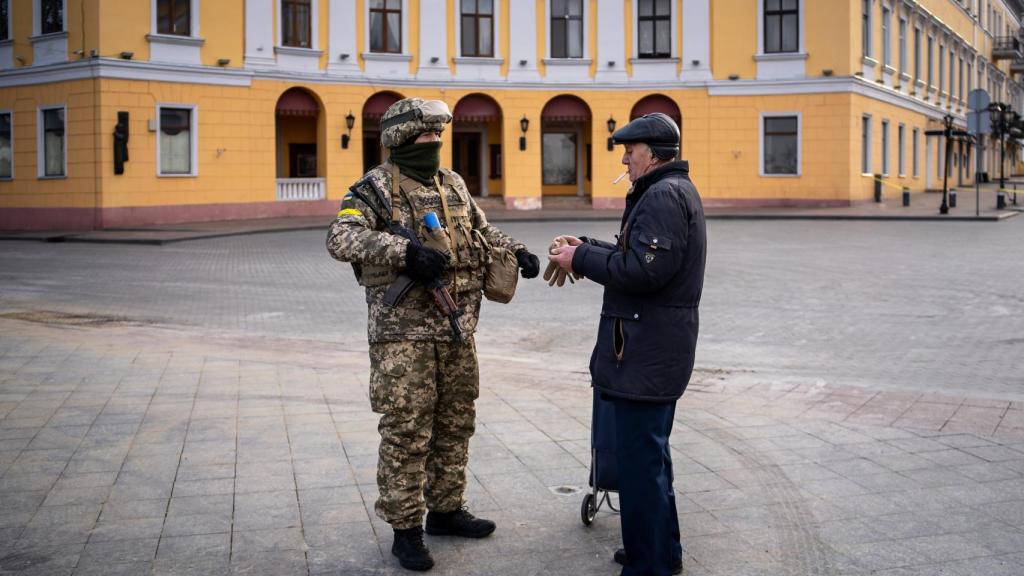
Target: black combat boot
411, 552
458, 523
621, 558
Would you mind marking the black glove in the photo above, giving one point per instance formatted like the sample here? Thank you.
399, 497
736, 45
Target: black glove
528, 263
424, 264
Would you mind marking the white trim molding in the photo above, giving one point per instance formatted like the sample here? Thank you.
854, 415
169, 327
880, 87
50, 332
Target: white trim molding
434, 59
799, 143
175, 48
41, 143
193, 120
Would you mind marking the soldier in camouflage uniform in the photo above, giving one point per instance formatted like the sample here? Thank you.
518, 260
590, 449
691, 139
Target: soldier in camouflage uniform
423, 382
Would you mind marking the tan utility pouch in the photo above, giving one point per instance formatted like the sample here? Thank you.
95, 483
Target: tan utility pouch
502, 273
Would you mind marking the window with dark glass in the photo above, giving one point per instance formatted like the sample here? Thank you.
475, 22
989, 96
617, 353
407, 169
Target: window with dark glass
386, 26
53, 142
567, 28
781, 26
6, 159
174, 17
175, 141
296, 23
478, 28
51, 16
654, 24
5, 34
780, 145
559, 158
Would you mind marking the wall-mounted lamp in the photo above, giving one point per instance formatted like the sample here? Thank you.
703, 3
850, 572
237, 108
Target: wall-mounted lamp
223, 61
434, 59
343, 56
734, 76
127, 55
20, 59
522, 62
611, 130
695, 62
524, 125
826, 72
611, 63
350, 121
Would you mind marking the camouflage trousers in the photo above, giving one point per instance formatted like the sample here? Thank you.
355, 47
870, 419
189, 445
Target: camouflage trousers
425, 393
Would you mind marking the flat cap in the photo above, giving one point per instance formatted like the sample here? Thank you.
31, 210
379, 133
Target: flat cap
657, 130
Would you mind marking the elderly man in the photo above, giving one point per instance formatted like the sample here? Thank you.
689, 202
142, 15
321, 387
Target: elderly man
653, 277
423, 366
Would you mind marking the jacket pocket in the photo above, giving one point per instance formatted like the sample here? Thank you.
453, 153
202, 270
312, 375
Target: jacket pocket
388, 384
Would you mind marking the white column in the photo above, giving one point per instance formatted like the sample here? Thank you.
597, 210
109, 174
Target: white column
523, 42
611, 45
696, 40
434, 41
342, 51
259, 33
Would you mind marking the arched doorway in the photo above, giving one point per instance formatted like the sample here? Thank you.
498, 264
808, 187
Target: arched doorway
565, 147
373, 110
299, 165
476, 144
659, 103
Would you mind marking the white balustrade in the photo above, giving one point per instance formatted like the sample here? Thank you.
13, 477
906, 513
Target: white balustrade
300, 189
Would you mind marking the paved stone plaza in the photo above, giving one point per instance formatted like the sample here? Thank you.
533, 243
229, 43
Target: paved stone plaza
200, 408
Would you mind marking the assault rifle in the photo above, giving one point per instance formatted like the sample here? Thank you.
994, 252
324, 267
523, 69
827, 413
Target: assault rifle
400, 287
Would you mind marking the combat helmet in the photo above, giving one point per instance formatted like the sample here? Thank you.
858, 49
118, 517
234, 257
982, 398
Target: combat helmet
657, 130
411, 117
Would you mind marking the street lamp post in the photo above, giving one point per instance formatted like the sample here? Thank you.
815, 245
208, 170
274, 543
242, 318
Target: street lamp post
947, 131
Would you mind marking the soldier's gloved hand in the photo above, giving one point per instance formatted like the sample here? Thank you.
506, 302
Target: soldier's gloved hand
529, 264
424, 264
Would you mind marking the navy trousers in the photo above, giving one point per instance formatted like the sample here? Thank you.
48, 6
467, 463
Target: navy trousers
650, 525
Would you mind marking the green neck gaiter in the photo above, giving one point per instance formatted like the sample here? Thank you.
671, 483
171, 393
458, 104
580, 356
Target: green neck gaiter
418, 161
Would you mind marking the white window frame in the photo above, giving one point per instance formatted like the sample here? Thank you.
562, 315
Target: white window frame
799, 143
885, 31
314, 27
901, 153
37, 18
496, 35
801, 50
41, 143
915, 151
866, 163
11, 113
866, 33
193, 26
193, 135
586, 57
885, 147
366, 37
901, 33
674, 24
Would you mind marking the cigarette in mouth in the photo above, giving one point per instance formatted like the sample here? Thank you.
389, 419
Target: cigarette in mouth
621, 176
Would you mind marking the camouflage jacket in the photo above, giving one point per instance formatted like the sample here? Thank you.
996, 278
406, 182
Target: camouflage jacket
377, 256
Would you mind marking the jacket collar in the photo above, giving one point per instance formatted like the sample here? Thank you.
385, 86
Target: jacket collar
644, 182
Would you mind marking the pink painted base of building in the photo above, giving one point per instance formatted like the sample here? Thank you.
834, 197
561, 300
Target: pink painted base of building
77, 219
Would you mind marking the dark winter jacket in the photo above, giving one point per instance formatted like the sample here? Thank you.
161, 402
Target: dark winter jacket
653, 279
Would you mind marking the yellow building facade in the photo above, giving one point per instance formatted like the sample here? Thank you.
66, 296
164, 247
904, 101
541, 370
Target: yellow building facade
132, 112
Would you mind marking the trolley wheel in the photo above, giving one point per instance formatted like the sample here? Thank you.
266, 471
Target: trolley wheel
588, 510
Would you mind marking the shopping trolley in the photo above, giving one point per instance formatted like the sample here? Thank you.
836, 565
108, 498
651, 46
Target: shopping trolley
604, 473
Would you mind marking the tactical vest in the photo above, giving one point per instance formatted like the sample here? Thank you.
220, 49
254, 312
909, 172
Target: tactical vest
469, 252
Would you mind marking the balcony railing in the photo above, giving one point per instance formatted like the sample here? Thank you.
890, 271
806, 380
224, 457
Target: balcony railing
289, 189
1017, 66
1006, 47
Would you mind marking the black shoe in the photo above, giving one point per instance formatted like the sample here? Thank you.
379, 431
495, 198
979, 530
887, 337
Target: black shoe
621, 558
458, 523
411, 552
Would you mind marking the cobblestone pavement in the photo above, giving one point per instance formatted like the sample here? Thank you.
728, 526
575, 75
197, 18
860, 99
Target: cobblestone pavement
201, 409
